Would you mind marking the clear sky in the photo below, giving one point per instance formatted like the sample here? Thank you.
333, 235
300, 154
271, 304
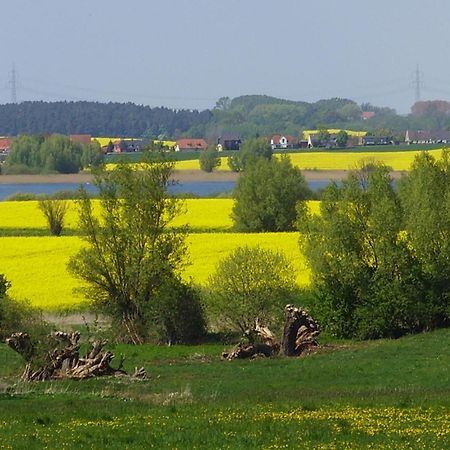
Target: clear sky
188, 53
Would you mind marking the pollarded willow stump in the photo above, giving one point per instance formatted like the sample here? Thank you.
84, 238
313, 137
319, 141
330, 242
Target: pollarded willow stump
300, 335
300, 331
60, 358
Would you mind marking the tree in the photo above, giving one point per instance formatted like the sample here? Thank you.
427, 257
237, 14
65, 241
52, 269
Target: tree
133, 253
250, 151
342, 138
209, 159
92, 155
15, 315
425, 194
366, 276
323, 136
266, 195
250, 284
54, 211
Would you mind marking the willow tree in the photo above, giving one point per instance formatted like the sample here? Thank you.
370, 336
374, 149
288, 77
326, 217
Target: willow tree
133, 253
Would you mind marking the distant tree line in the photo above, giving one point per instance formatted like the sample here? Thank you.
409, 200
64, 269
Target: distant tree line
248, 115
54, 153
97, 119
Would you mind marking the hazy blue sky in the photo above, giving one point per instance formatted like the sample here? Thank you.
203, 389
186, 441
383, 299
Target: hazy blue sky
188, 53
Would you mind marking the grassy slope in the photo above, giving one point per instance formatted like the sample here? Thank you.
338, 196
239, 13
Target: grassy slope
391, 394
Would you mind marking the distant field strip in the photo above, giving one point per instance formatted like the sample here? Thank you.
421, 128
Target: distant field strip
36, 266
200, 214
333, 160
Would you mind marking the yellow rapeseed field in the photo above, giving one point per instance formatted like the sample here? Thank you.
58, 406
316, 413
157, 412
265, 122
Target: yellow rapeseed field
37, 266
103, 141
200, 214
332, 160
307, 133
335, 160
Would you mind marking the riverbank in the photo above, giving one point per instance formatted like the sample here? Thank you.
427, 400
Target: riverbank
180, 175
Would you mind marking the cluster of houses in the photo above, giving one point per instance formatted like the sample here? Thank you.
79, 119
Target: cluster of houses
231, 141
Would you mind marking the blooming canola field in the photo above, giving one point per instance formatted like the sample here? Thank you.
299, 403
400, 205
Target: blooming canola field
37, 266
333, 160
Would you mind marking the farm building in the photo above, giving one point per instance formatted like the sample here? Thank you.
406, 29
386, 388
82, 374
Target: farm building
190, 144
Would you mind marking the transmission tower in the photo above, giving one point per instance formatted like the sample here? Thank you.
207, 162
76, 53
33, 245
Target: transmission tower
417, 83
13, 84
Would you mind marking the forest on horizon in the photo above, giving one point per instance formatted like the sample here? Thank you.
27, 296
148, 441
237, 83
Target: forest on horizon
248, 115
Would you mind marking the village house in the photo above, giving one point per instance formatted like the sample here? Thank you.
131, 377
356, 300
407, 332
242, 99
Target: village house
376, 140
229, 141
427, 137
282, 142
183, 145
5, 145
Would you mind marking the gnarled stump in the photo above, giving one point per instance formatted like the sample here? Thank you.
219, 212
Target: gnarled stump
300, 334
300, 331
61, 358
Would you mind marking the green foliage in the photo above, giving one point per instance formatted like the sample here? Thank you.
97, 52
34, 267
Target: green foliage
251, 150
54, 211
92, 155
266, 195
177, 313
55, 153
17, 316
367, 278
341, 138
425, 194
251, 283
209, 159
132, 251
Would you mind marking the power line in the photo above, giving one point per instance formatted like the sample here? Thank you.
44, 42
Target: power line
418, 83
13, 84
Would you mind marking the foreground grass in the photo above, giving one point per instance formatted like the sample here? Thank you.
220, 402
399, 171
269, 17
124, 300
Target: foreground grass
384, 394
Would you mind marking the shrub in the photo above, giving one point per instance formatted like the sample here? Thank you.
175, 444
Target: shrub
209, 159
251, 283
54, 211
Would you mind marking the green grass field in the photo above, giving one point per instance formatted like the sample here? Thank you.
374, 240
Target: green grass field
384, 394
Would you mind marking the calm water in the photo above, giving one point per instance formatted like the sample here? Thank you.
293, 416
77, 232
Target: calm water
199, 188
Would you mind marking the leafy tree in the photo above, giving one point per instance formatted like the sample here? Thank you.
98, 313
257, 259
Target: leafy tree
209, 159
266, 195
323, 136
425, 194
342, 138
17, 316
251, 283
54, 211
251, 150
223, 103
132, 253
92, 155
368, 281
55, 153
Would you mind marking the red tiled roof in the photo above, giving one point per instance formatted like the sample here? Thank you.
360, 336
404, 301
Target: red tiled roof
5, 143
192, 144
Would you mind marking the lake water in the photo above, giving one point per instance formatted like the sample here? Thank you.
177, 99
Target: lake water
198, 188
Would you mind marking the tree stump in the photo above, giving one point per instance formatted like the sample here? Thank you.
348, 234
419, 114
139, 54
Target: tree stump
60, 358
300, 331
300, 335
